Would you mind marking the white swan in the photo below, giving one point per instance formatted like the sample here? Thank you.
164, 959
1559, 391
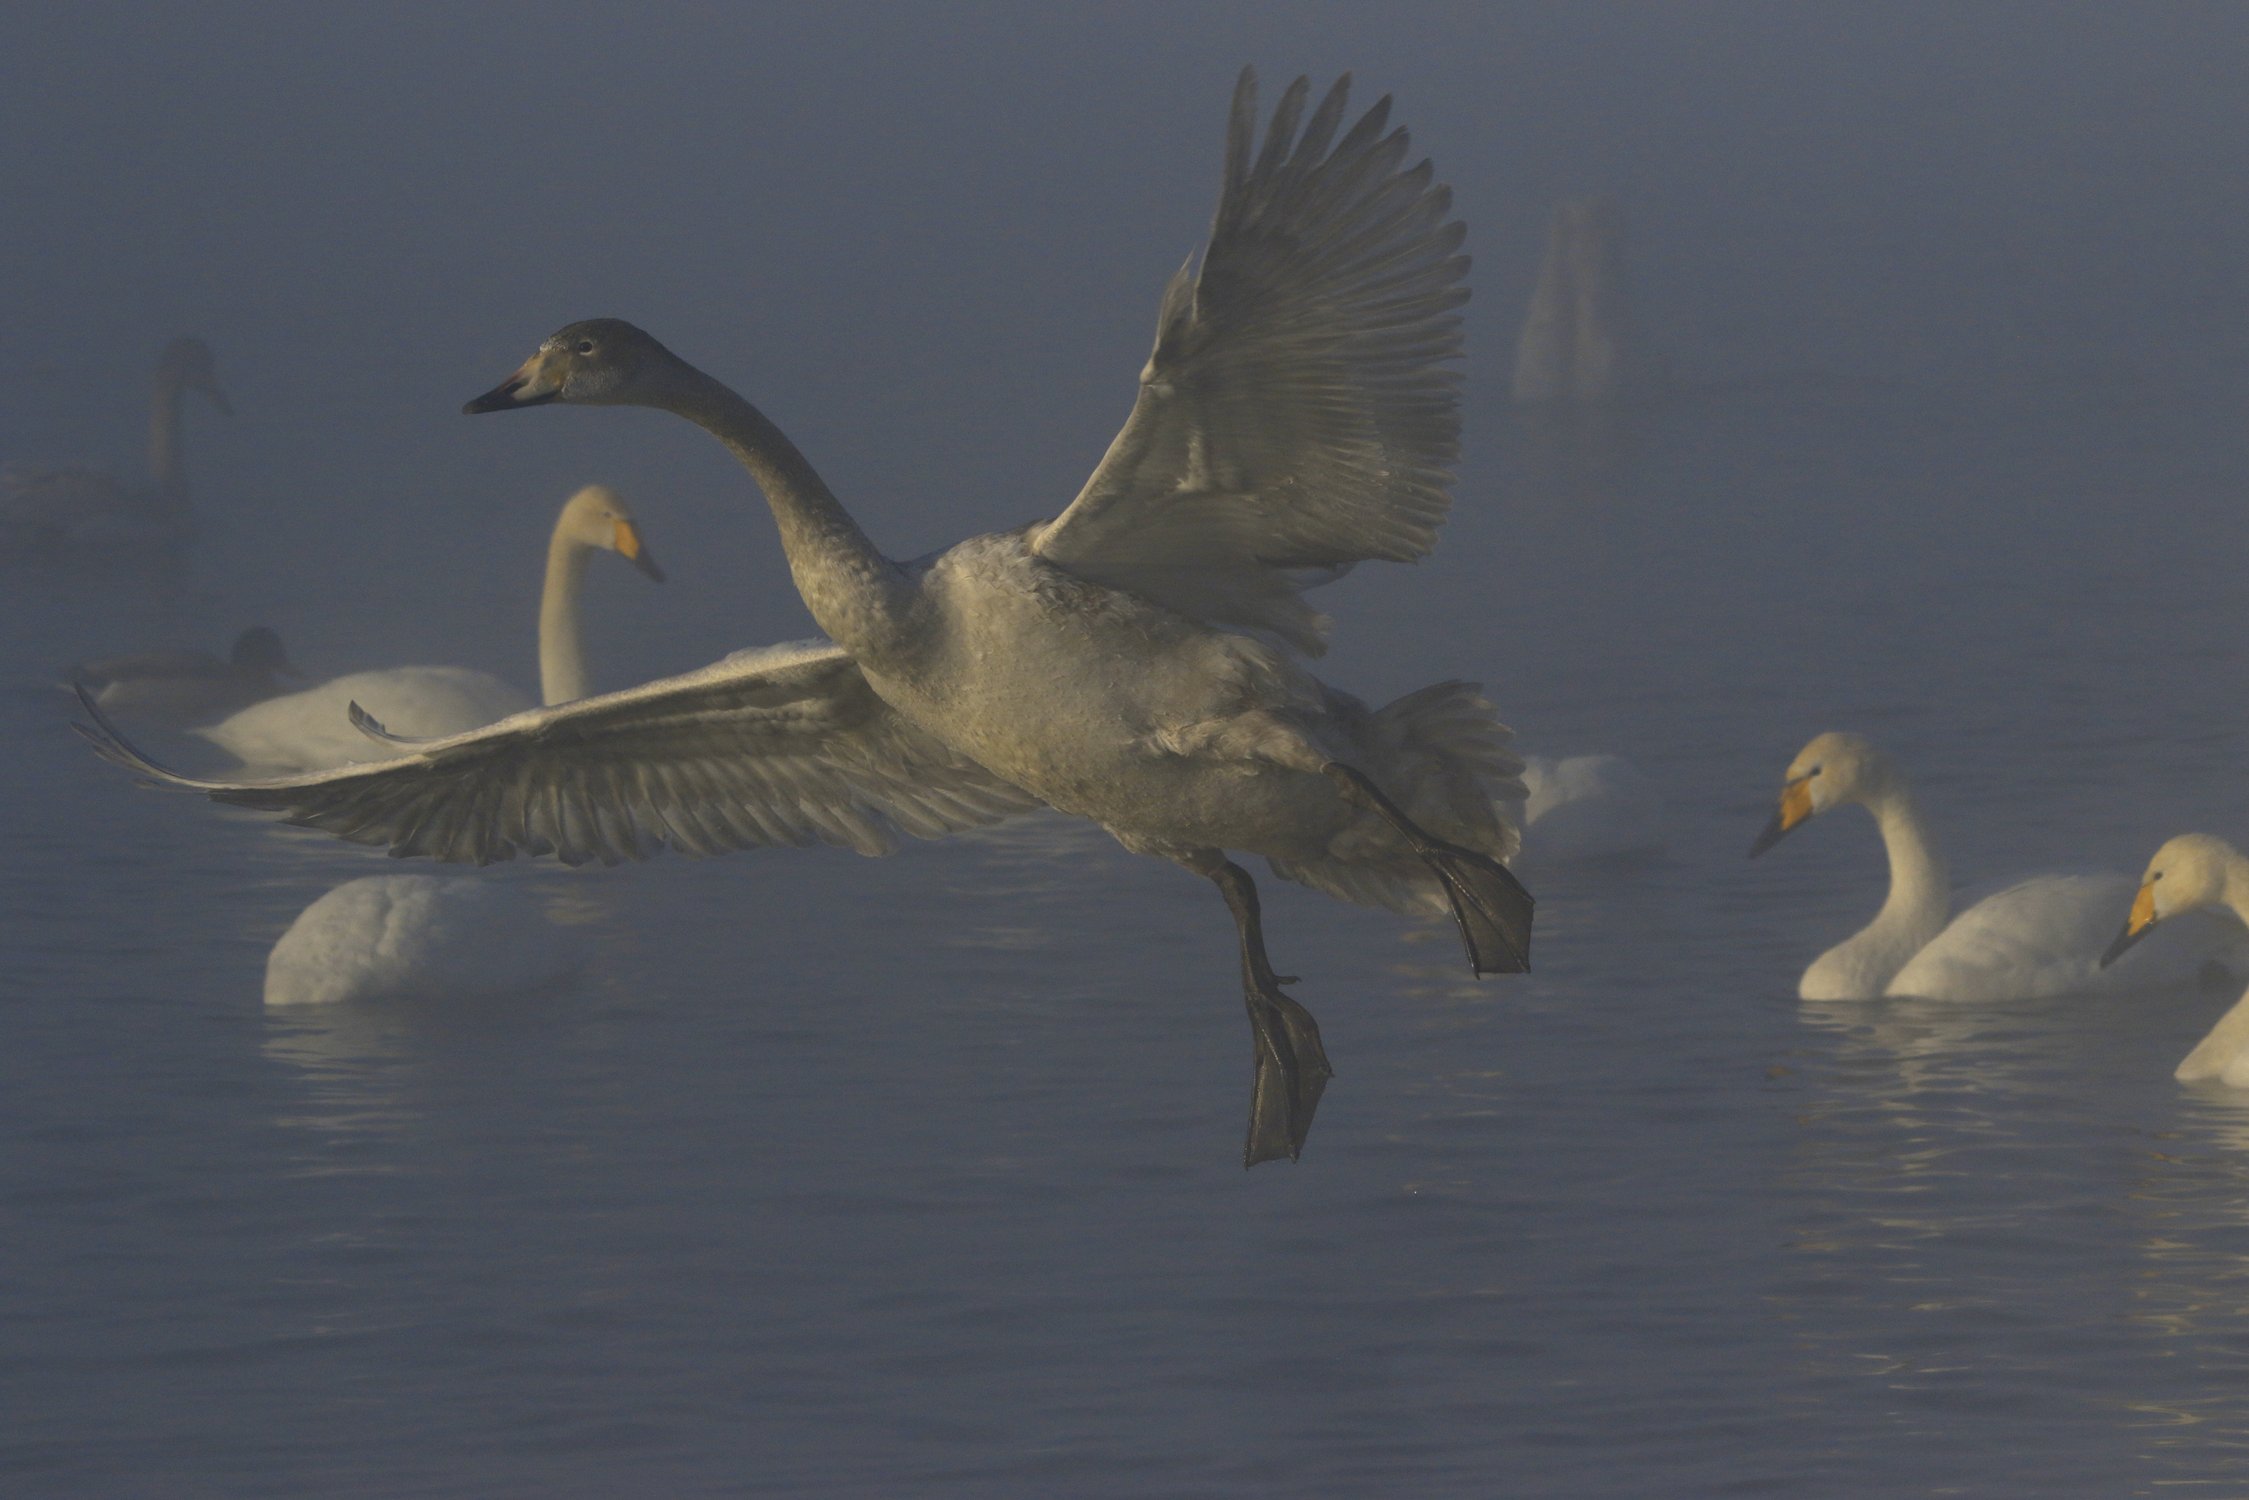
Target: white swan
314, 729
1588, 808
180, 688
2196, 872
2039, 938
1296, 416
81, 513
411, 937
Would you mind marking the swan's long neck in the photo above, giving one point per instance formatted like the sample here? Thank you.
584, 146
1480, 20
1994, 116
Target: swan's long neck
858, 596
2229, 1039
166, 471
1920, 899
2233, 891
562, 646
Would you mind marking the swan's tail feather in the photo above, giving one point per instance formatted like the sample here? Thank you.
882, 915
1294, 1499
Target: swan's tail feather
1442, 754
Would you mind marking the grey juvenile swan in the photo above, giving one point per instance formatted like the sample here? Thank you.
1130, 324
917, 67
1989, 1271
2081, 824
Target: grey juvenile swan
85, 513
1124, 662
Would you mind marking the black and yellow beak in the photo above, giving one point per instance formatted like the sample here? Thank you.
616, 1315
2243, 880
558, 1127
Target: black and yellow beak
635, 551
1795, 807
507, 396
2136, 926
531, 385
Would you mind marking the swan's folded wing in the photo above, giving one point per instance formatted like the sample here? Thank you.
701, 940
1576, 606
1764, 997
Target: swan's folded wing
786, 745
1299, 411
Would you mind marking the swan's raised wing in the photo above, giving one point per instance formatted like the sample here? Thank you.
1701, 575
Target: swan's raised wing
1299, 411
786, 745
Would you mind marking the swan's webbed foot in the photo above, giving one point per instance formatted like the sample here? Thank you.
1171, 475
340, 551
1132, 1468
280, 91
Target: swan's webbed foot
1488, 902
1292, 1066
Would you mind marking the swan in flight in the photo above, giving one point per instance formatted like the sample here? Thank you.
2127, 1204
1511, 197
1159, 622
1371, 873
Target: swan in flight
180, 688
1127, 661
413, 937
2195, 872
83, 513
315, 729
2039, 938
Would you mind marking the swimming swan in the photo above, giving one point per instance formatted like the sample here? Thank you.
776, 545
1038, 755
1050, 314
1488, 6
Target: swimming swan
415, 937
2039, 938
83, 513
180, 688
1297, 415
2190, 873
314, 729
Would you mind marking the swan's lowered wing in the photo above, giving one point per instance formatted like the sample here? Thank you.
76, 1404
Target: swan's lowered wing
1299, 411
786, 745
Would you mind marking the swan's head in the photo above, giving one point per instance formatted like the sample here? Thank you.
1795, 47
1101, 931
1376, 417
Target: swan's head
600, 362
2187, 873
186, 364
258, 649
597, 516
1834, 768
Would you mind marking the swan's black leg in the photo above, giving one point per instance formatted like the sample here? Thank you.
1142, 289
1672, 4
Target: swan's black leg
1489, 903
1292, 1068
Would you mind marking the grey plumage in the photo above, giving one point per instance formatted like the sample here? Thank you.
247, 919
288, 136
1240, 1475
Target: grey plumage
1299, 410
785, 745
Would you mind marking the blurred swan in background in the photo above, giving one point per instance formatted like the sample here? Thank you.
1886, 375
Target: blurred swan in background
2041, 937
413, 937
84, 514
177, 689
1126, 661
313, 730
2196, 872
1581, 341
1587, 808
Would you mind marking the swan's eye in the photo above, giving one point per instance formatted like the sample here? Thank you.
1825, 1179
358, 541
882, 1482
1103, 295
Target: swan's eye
2152, 879
1814, 771
585, 346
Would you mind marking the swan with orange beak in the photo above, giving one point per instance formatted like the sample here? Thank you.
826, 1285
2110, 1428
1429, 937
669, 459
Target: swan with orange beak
2039, 937
2195, 872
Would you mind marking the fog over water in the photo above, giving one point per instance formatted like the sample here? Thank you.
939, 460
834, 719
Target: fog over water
840, 1177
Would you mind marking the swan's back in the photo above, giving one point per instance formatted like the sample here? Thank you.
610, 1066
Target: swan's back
312, 730
408, 937
2045, 936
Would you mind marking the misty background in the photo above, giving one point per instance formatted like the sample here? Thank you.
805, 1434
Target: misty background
843, 1174
930, 244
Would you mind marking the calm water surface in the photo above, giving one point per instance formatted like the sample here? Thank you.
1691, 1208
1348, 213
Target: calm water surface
920, 1176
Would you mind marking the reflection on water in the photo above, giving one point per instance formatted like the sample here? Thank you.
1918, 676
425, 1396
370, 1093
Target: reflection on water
359, 1063
1999, 1209
2190, 1294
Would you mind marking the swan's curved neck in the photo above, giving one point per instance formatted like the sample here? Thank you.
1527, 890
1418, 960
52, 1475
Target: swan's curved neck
858, 596
2234, 893
166, 470
2228, 1039
562, 646
1920, 889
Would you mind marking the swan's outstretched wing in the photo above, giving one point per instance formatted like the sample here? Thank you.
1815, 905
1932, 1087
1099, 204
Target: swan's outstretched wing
786, 745
1298, 411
